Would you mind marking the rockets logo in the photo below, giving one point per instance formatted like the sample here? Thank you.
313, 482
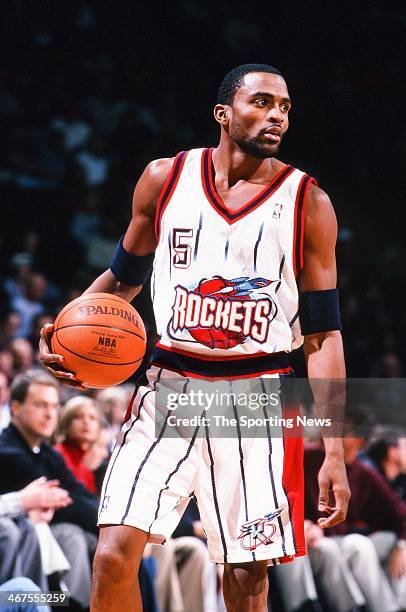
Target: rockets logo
259, 531
222, 313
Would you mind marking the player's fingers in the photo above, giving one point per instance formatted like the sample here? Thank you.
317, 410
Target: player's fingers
324, 488
339, 512
328, 509
67, 378
337, 517
50, 358
45, 346
46, 333
59, 373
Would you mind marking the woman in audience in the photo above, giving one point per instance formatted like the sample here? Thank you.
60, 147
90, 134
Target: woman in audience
82, 440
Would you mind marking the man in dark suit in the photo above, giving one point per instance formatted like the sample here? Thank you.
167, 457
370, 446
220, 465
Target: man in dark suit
26, 455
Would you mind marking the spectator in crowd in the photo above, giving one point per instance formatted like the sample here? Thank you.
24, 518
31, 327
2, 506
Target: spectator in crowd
19, 546
375, 527
4, 399
6, 362
388, 453
81, 440
73, 125
86, 223
9, 325
95, 161
23, 355
83, 437
186, 579
113, 403
31, 303
26, 455
205, 584
21, 264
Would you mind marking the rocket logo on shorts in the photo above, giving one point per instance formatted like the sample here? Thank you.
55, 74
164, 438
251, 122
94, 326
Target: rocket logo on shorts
222, 313
260, 531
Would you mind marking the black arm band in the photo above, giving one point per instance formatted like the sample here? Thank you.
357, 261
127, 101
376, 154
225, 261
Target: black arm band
319, 311
128, 268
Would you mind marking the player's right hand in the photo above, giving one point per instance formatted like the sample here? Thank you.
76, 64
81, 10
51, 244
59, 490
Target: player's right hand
53, 363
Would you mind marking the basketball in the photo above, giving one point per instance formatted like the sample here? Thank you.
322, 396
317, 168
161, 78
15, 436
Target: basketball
101, 337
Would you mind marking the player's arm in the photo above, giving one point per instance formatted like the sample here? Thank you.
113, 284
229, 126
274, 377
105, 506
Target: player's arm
139, 239
137, 247
323, 345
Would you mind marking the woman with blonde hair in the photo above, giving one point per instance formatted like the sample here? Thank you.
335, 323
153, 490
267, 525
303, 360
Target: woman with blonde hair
80, 439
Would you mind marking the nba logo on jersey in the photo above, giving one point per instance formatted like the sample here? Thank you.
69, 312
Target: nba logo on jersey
277, 210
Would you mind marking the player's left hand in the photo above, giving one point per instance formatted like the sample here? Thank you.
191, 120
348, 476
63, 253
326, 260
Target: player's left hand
333, 477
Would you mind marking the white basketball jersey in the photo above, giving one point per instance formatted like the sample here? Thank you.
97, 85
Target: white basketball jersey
224, 282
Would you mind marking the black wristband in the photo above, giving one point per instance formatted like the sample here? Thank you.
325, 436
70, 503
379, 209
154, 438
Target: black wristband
128, 268
319, 311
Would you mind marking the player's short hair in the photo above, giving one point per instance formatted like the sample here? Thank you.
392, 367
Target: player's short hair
233, 80
21, 384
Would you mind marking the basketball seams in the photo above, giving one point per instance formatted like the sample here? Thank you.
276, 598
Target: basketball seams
94, 360
127, 331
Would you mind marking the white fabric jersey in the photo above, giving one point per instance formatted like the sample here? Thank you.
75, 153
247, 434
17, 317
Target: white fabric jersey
224, 283
249, 486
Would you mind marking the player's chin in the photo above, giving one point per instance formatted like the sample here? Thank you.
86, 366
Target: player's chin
274, 146
269, 149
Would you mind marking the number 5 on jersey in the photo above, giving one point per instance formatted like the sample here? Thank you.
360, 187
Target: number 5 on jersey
181, 238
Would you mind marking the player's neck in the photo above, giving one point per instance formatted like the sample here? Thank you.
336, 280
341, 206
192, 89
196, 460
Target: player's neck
232, 165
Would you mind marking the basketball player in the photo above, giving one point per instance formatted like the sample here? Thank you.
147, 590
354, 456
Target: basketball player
243, 243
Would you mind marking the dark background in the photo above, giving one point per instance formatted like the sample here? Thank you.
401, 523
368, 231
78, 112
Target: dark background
136, 81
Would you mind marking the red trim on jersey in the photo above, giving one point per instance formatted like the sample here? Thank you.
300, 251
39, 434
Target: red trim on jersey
169, 188
293, 478
209, 188
299, 221
205, 178
210, 357
301, 249
130, 406
236, 377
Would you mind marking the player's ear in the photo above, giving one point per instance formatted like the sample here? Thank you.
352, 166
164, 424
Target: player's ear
15, 408
221, 114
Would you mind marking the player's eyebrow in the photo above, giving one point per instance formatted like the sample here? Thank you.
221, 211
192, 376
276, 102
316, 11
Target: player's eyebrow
267, 94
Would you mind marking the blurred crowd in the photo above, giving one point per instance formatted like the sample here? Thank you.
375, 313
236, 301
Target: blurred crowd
85, 103
55, 444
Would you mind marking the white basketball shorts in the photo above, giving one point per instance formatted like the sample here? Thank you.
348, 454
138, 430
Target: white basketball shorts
249, 488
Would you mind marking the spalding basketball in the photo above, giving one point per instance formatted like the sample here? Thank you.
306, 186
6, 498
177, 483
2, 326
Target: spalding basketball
101, 338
